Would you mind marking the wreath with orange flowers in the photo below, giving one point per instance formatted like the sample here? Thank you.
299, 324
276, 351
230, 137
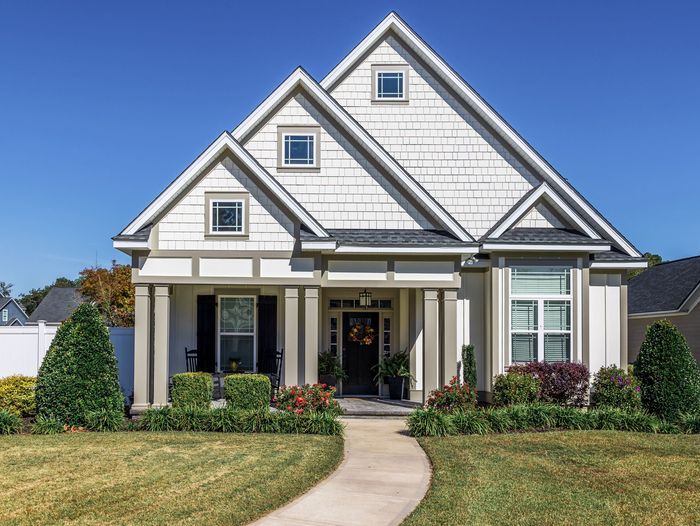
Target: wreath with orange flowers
362, 333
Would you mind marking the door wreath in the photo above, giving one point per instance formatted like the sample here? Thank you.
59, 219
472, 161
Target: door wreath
362, 333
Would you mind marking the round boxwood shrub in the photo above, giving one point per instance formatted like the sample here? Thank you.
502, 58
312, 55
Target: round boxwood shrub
79, 373
667, 372
614, 387
247, 391
17, 395
192, 390
515, 388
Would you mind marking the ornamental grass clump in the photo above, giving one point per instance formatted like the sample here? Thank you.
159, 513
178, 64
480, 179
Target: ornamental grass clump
10, 423
104, 420
452, 397
299, 399
47, 425
430, 423
614, 387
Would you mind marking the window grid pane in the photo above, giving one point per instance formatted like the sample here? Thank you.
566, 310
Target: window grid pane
541, 280
237, 315
557, 347
387, 336
524, 347
557, 315
227, 216
390, 85
299, 149
524, 315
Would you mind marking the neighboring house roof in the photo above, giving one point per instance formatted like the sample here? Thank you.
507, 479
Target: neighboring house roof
57, 305
664, 287
393, 23
4, 302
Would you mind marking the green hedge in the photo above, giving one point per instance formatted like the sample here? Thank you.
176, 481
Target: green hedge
17, 395
227, 420
247, 391
192, 389
515, 388
541, 417
10, 423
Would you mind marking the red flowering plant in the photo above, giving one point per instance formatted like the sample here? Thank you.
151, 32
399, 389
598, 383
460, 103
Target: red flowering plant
452, 397
306, 398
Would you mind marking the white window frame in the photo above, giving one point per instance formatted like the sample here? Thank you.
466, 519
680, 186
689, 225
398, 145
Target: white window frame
389, 68
5, 315
285, 161
540, 300
227, 333
242, 204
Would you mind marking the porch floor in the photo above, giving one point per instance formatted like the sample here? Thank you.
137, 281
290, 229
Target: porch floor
376, 407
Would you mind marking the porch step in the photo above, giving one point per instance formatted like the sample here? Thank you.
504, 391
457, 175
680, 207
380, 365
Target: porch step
373, 407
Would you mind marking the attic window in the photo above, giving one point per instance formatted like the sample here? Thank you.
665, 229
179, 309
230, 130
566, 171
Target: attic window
5, 315
227, 214
298, 148
389, 83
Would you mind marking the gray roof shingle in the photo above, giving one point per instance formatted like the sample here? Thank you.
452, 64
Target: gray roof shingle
664, 287
57, 305
383, 237
546, 236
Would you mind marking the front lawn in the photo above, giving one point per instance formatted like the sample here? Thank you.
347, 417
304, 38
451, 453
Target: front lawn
157, 478
573, 477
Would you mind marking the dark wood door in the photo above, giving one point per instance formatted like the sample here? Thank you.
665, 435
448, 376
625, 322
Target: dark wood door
267, 334
206, 333
360, 352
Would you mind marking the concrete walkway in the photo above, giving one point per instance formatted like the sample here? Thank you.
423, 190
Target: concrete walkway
383, 477
376, 407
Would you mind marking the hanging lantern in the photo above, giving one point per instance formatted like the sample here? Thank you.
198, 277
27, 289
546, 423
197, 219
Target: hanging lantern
365, 298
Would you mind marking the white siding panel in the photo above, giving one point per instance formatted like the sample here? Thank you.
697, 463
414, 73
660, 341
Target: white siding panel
170, 267
357, 270
423, 270
226, 267
287, 268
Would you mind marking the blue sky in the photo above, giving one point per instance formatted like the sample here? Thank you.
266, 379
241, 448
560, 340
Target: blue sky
103, 104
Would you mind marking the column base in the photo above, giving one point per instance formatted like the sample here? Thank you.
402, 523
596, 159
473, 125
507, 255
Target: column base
138, 409
416, 395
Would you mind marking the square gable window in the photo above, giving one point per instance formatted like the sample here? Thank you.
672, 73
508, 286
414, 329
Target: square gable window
227, 214
389, 83
299, 147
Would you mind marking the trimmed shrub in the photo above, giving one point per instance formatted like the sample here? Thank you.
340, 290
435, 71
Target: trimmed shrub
79, 373
304, 398
430, 423
468, 365
560, 382
104, 420
17, 395
47, 425
192, 389
452, 397
158, 419
247, 391
10, 423
515, 388
667, 372
613, 387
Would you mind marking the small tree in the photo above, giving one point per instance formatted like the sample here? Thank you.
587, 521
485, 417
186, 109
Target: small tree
468, 365
112, 292
79, 373
667, 372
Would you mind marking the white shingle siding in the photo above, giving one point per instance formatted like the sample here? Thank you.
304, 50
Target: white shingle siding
540, 217
183, 228
440, 143
347, 191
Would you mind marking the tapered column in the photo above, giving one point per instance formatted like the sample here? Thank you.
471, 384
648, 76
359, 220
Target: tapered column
142, 343
311, 335
431, 341
161, 336
449, 339
291, 336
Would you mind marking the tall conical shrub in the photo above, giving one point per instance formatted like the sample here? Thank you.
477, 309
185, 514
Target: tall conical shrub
668, 373
79, 373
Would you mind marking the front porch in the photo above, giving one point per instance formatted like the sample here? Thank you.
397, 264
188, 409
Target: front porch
241, 328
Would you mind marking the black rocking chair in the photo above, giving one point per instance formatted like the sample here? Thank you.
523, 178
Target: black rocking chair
192, 358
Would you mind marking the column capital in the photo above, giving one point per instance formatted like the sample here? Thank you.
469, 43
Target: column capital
291, 292
449, 294
311, 292
430, 294
162, 290
141, 290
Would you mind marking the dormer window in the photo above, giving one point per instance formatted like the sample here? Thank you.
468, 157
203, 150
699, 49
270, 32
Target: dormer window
298, 148
389, 83
227, 214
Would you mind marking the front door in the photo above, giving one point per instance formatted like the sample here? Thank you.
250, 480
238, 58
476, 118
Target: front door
360, 352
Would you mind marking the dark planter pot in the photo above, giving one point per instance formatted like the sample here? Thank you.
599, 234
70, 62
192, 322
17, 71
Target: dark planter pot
328, 379
395, 387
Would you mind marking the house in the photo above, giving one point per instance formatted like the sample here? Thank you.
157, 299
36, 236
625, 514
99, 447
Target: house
670, 290
11, 313
386, 207
58, 304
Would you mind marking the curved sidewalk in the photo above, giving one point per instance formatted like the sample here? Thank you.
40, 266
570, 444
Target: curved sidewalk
383, 477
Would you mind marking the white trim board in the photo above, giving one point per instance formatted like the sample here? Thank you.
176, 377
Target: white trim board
394, 23
224, 143
301, 79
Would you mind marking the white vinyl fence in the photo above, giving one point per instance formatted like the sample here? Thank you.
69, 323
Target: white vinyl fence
22, 349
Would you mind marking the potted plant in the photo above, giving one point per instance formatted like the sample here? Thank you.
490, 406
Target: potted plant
329, 369
394, 369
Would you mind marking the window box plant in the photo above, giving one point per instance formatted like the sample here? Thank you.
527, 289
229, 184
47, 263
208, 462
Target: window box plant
394, 369
329, 369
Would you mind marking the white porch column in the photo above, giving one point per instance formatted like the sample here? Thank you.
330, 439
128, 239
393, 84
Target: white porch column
449, 325
431, 341
161, 334
142, 340
291, 336
311, 330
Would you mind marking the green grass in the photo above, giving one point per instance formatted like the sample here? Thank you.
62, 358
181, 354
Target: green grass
558, 478
157, 478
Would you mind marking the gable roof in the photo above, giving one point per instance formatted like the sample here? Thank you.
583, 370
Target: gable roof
300, 79
6, 300
665, 287
57, 305
393, 23
225, 143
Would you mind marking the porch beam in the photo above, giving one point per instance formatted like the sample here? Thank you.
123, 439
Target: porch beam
431, 341
161, 345
311, 329
142, 345
291, 335
449, 325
